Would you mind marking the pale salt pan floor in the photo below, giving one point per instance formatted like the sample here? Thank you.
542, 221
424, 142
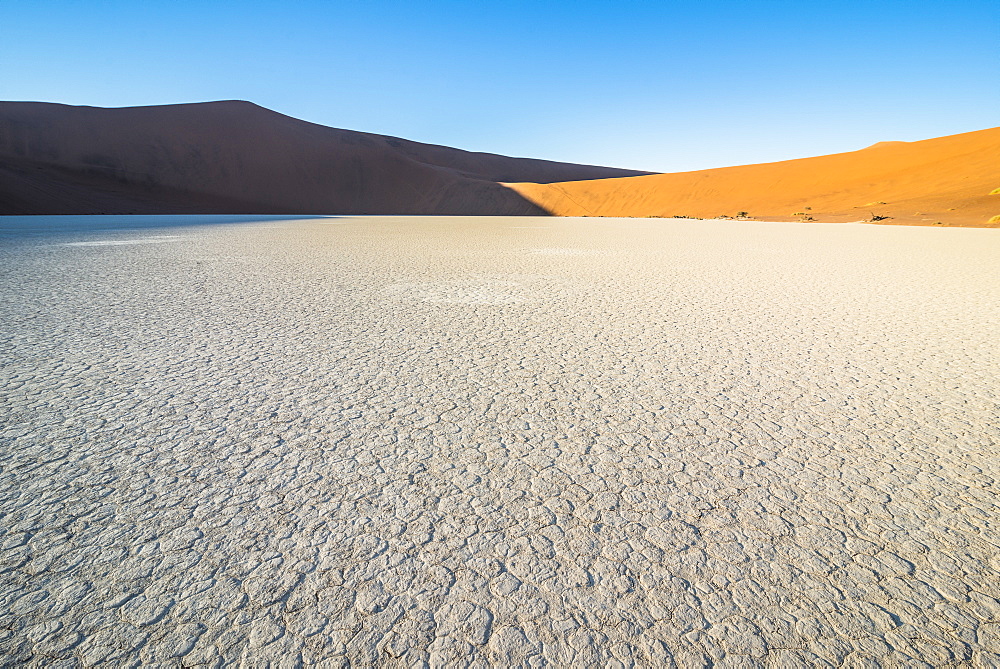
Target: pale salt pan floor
471, 442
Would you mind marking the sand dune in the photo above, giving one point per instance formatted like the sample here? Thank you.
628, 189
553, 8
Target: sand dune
943, 181
237, 157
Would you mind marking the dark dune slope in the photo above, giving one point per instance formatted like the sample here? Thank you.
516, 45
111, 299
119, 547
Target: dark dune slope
237, 157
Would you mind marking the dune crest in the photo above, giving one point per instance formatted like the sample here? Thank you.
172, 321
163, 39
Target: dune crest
878, 145
943, 181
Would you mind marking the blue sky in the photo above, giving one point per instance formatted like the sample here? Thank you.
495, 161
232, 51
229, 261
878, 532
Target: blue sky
655, 85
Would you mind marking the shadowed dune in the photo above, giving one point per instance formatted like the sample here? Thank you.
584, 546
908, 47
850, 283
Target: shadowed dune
943, 181
237, 157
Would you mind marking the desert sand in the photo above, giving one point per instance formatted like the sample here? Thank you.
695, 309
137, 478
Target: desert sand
947, 181
515, 441
236, 157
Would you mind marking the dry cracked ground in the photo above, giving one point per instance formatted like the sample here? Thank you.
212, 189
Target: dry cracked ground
498, 442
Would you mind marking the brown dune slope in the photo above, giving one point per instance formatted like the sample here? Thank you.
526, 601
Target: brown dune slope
237, 157
946, 181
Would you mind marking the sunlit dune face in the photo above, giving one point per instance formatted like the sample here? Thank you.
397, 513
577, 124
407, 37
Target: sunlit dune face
944, 181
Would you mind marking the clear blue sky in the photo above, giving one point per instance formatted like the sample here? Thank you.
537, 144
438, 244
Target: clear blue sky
655, 85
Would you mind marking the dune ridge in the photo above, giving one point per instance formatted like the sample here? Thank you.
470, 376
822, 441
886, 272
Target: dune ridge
238, 157
949, 181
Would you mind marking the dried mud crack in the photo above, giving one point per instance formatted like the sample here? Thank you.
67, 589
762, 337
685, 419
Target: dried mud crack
478, 442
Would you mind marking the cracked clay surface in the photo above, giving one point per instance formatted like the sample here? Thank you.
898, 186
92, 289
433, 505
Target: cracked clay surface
498, 442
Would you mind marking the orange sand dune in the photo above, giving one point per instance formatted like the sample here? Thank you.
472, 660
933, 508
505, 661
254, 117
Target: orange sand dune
943, 181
